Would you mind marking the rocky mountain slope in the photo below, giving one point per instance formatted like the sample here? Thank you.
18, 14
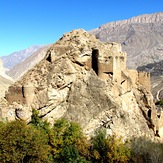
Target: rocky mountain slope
5, 80
141, 37
21, 68
85, 80
4, 84
11, 60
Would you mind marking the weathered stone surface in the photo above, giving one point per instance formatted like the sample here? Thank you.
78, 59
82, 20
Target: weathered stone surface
87, 81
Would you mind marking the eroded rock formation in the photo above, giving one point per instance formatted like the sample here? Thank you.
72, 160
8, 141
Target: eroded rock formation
85, 80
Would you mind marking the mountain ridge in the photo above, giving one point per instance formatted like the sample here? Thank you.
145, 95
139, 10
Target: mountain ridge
21, 68
14, 58
144, 18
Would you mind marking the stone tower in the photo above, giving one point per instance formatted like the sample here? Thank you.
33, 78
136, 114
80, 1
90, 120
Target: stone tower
28, 93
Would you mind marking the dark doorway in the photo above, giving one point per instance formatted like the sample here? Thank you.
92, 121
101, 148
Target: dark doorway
49, 58
95, 54
149, 113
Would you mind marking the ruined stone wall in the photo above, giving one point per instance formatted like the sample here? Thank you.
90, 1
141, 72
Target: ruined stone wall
20, 94
111, 63
118, 67
126, 82
134, 76
15, 94
116, 70
106, 69
28, 93
56, 51
119, 63
144, 80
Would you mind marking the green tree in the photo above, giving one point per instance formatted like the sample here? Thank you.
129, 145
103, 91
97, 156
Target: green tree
64, 140
37, 121
109, 149
22, 143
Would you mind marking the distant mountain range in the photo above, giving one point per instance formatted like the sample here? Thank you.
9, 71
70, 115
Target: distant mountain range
11, 60
8, 63
141, 37
21, 68
155, 69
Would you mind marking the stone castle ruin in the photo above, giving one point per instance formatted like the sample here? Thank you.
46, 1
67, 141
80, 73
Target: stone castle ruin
79, 66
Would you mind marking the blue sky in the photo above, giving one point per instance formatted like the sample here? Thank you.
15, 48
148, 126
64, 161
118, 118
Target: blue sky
24, 23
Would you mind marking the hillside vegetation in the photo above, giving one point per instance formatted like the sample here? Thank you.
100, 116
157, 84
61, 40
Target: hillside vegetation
65, 142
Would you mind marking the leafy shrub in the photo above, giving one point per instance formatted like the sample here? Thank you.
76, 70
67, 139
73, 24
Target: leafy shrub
109, 149
145, 150
64, 141
38, 122
22, 143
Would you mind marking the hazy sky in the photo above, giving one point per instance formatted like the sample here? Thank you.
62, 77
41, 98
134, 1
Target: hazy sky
24, 23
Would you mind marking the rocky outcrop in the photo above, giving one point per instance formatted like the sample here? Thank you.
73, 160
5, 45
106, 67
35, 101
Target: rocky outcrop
85, 80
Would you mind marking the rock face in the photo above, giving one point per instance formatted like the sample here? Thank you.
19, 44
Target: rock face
85, 80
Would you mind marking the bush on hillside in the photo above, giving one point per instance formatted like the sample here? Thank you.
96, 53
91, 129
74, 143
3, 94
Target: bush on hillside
20, 142
146, 151
64, 142
109, 149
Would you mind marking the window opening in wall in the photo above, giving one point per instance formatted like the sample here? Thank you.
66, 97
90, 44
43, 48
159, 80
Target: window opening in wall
23, 92
95, 66
110, 73
149, 113
49, 58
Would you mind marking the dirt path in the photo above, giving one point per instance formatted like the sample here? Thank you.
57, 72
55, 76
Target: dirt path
158, 92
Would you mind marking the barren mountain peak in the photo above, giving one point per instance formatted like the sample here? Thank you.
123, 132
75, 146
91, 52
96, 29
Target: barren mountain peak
146, 18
